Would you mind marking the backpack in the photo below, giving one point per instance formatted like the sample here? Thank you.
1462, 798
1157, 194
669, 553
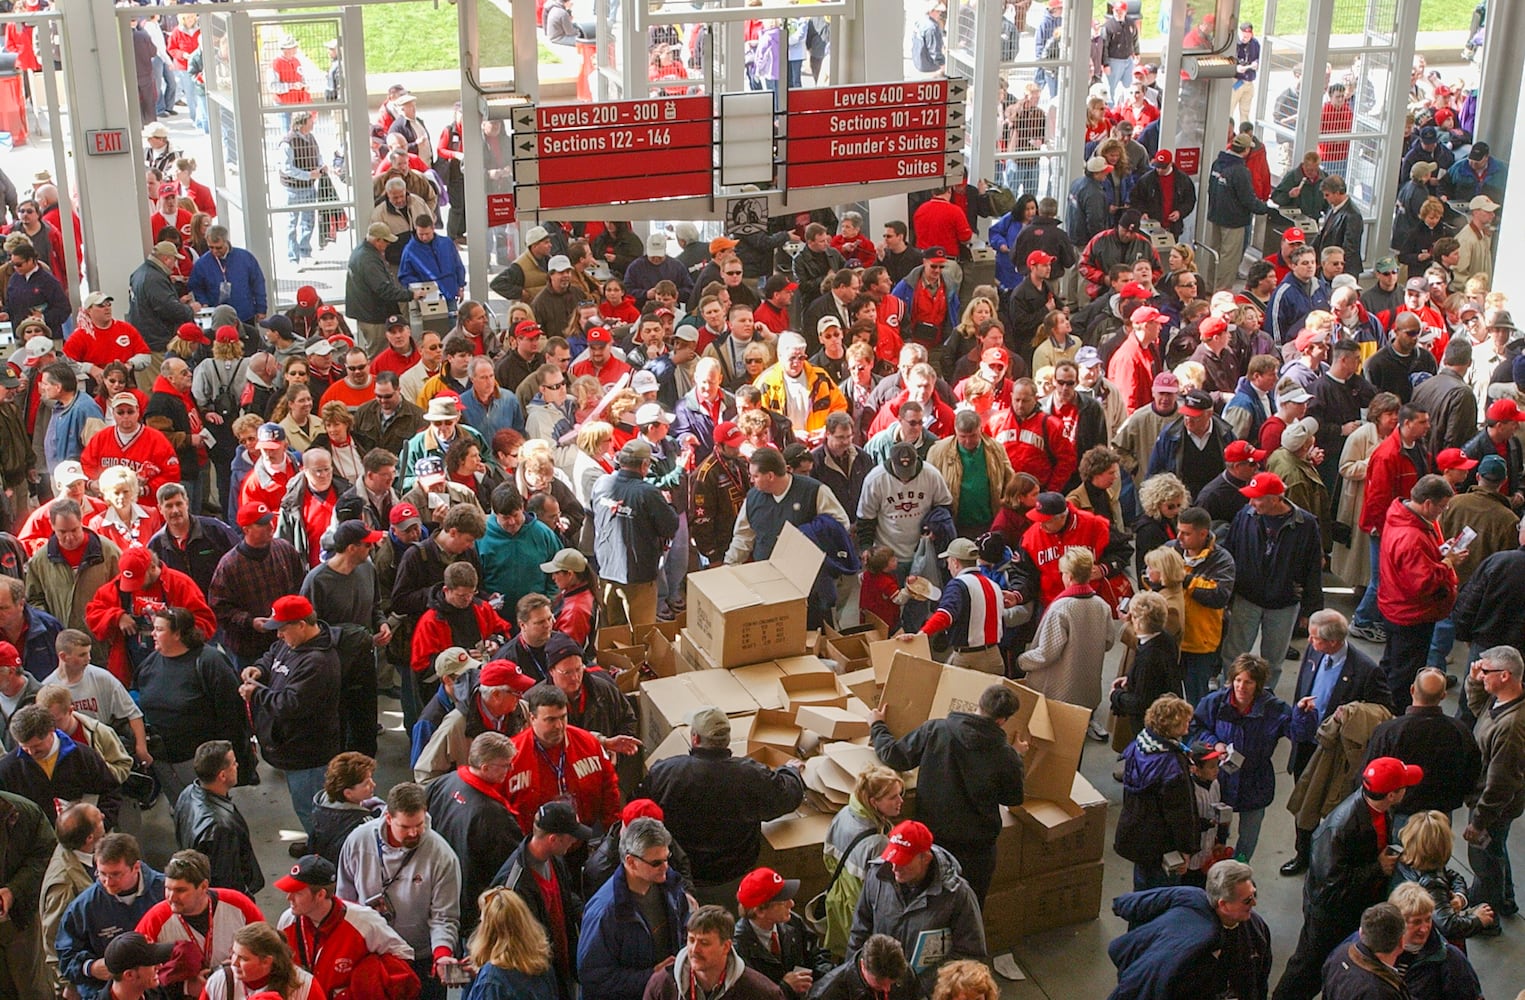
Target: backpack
1002, 200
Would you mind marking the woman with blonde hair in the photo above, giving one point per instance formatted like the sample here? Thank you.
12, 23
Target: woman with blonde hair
1165, 574
1181, 257
584, 392
857, 835
260, 963
1151, 666
125, 521
965, 979
1054, 340
1161, 497
1073, 637
1432, 967
978, 310
510, 950
1425, 862
592, 457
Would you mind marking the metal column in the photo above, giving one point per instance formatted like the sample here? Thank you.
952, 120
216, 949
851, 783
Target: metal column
984, 107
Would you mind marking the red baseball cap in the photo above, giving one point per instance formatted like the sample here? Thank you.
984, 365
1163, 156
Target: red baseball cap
729, 434
527, 328
254, 513
227, 335
9, 657
307, 296
640, 809
402, 512
505, 673
1039, 257
907, 841
287, 610
1454, 458
1163, 157
1505, 409
1147, 314
1134, 290
762, 886
1292, 234
600, 335
1264, 484
1212, 326
996, 356
327, 310
192, 334
1243, 451
1386, 775
133, 567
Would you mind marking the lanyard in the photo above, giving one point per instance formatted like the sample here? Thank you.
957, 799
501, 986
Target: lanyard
190, 932
386, 881
559, 769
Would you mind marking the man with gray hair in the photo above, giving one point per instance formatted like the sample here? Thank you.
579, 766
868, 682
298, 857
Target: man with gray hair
726, 840
1365, 969
467, 808
1449, 400
1184, 941
616, 956
1499, 796
799, 390
229, 275
633, 524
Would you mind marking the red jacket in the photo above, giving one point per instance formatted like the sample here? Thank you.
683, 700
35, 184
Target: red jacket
173, 589
432, 635
1037, 446
1083, 528
149, 454
354, 946
940, 223
231, 911
937, 418
586, 775
1390, 475
1414, 584
1132, 371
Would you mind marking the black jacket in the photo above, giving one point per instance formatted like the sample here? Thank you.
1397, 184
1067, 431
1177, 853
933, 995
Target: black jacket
1156, 671
518, 875
632, 523
210, 823
1149, 199
845, 982
333, 822
846, 488
481, 831
1342, 228
1048, 235
422, 568
79, 771
1481, 446
604, 860
155, 309
1344, 876
1352, 972
209, 540
189, 699
1487, 608
24, 854
1025, 312
722, 835
796, 950
294, 705
1361, 680
1443, 746
978, 772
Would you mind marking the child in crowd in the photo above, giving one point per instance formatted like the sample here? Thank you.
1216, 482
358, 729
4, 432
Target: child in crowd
877, 595
1204, 784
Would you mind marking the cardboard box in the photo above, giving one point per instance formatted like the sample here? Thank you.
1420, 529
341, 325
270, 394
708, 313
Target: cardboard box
1042, 903
667, 701
793, 844
862, 685
882, 654
755, 612
829, 793
849, 651
832, 723
775, 728
1037, 854
813, 688
771, 756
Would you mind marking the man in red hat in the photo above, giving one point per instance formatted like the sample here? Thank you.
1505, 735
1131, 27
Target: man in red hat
345, 947
1278, 572
249, 579
1221, 497
1497, 437
120, 612
293, 692
1416, 585
930, 298
1349, 869
771, 938
1165, 194
494, 705
601, 362
913, 893
1133, 367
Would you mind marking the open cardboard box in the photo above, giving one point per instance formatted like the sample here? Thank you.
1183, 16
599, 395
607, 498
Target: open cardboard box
753, 612
775, 728
812, 688
882, 653
668, 700
917, 690
831, 722
849, 651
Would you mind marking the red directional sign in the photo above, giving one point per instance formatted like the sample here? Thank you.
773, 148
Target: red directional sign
879, 95
613, 166
867, 171
883, 144
616, 139
657, 111
830, 123
697, 184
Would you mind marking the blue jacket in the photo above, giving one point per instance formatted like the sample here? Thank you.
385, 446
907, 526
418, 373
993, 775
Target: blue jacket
40, 292
905, 291
615, 952
1290, 304
1003, 236
65, 429
513, 562
497, 983
1174, 930
38, 654
1439, 972
438, 261
1246, 398
1231, 201
1159, 812
495, 415
92, 920
247, 296
1463, 183
632, 525
1216, 720
1291, 572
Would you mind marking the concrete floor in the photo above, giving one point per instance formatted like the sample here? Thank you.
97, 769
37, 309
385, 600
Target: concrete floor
1067, 963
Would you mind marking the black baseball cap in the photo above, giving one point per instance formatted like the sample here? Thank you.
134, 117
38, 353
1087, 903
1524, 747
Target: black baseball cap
561, 817
279, 324
560, 646
309, 871
133, 951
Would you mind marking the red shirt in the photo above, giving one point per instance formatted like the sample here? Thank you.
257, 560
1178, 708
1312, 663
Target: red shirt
771, 316
91, 345
1335, 118
940, 223
390, 361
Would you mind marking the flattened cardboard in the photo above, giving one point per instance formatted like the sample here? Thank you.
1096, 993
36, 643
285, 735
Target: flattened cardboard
815, 781
668, 700
909, 692
755, 612
832, 723
881, 654
761, 682
863, 685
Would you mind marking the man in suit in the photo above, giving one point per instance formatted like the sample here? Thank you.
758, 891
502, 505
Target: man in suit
1333, 673
1342, 226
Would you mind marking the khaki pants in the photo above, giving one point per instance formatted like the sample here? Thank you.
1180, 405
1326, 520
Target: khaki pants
371, 337
149, 375
986, 660
1228, 244
630, 603
1242, 105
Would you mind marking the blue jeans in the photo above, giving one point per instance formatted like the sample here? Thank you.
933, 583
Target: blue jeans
1119, 76
1249, 832
304, 785
1441, 643
795, 78
1200, 668
1493, 878
299, 230
1367, 612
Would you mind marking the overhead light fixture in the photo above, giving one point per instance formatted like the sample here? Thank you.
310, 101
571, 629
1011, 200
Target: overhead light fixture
1208, 67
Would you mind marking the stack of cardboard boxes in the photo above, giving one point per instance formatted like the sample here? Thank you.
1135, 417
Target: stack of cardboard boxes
744, 649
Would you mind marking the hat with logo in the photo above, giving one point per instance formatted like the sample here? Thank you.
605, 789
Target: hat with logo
1479, 151
1147, 314
66, 474
1087, 357
505, 673
1417, 284
288, 610
561, 818
995, 356
644, 381
429, 471
453, 662
269, 433
903, 457
354, 532
403, 516
1298, 433
97, 299
558, 263
600, 335
1163, 158
1195, 403
652, 413
778, 283
934, 255
1039, 257
656, 245
1501, 410
1264, 484
1243, 142
227, 335
1212, 326
1048, 505
908, 841
962, 549
535, 235
993, 547
1492, 468
10, 376
1166, 382
527, 328
1294, 235
1429, 135
10, 656
729, 434
321, 346
762, 886
309, 871
565, 561
826, 322
1455, 458
307, 297
379, 231
134, 951
1134, 290
1386, 775
124, 399
133, 567
709, 723
1203, 753
1386, 265
1243, 451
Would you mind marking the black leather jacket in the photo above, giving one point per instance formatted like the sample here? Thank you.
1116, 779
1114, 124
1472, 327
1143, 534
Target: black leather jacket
210, 823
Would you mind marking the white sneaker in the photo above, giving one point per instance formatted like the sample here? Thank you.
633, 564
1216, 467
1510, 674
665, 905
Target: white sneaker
1097, 733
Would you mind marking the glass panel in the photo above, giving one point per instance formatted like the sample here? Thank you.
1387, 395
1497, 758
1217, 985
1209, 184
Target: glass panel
1362, 173
295, 62
1282, 74
217, 68
1030, 152
1358, 23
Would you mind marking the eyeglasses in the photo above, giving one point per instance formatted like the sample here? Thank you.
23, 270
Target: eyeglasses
733, 274
553, 385
1060, 381
356, 368
1492, 670
658, 864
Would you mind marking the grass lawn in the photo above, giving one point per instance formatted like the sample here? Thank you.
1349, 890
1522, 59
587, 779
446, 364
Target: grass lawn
1349, 17
402, 37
